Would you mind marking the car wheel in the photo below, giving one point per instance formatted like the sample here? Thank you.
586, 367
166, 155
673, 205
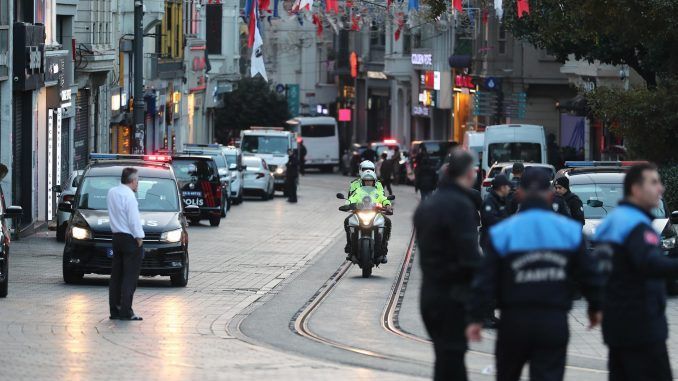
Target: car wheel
180, 279
61, 232
215, 220
4, 278
228, 202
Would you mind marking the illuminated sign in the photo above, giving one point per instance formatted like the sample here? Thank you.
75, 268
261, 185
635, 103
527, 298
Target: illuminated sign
421, 111
422, 59
464, 82
376, 75
353, 60
344, 114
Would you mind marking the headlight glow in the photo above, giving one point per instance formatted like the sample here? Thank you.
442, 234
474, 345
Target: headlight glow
80, 233
668, 243
366, 217
279, 170
171, 236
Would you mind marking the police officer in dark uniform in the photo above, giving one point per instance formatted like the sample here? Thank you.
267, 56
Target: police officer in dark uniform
634, 319
447, 235
292, 176
532, 262
494, 209
562, 187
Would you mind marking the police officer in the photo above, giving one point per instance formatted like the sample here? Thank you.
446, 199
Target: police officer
634, 319
511, 200
494, 209
356, 184
292, 176
447, 235
533, 258
561, 185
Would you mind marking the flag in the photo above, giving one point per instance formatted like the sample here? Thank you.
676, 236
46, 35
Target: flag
499, 8
485, 16
251, 12
257, 63
265, 5
400, 22
355, 23
331, 6
523, 7
302, 4
458, 6
319, 24
275, 8
413, 5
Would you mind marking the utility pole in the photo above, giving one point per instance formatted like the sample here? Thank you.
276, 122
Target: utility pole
139, 104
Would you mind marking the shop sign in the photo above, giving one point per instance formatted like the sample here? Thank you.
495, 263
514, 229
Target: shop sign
436, 80
29, 50
422, 59
463, 81
195, 76
55, 70
429, 80
344, 114
376, 75
421, 111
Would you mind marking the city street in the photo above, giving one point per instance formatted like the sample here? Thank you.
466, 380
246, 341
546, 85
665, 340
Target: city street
269, 296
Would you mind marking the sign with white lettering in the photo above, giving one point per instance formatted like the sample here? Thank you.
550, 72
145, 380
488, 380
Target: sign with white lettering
422, 59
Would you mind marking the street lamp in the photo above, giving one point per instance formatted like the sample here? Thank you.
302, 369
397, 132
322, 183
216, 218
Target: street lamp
139, 104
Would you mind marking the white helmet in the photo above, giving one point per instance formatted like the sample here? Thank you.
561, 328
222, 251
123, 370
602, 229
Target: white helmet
366, 165
368, 174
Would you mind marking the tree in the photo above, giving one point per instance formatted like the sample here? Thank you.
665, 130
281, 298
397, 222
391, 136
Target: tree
252, 103
642, 34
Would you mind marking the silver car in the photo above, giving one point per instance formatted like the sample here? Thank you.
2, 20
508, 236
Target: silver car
67, 190
258, 178
237, 169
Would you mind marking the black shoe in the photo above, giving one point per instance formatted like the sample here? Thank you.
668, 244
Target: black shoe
384, 259
347, 249
114, 317
133, 318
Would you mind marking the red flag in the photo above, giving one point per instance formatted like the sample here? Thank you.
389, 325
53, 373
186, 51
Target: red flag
523, 7
354, 23
388, 5
400, 21
458, 6
265, 5
319, 25
252, 23
486, 16
331, 6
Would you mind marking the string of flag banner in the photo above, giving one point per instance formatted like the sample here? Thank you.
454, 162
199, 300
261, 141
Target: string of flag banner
351, 15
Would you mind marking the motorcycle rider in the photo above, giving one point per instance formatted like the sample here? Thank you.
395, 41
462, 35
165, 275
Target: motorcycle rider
368, 188
355, 185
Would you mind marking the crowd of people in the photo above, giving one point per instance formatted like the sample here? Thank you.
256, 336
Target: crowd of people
521, 251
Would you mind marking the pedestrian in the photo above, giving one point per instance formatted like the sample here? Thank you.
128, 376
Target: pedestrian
386, 171
128, 250
511, 200
634, 317
369, 154
346, 163
447, 235
292, 176
396, 157
493, 210
425, 177
531, 263
302, 157
561, 185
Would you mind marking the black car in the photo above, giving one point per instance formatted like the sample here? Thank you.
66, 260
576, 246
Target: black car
89, 238
200, 185
216, 152
6, 213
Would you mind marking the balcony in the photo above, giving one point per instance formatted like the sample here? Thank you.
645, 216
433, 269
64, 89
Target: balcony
165, 67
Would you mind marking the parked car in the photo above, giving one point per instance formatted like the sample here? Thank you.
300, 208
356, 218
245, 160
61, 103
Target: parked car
66, 194
237, 169
6, 213
216, 152
200, 185
258, 178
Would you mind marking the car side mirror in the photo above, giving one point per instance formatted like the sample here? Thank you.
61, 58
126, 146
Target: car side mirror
57, 189
594, 203
391, 197
341, 196
191, 211
14, 211
674, 217
233, 167
77, 181
65, 206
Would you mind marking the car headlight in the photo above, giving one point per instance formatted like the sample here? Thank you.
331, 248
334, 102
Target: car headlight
171, 236
80, 233
668, 243
279, 171
366, 217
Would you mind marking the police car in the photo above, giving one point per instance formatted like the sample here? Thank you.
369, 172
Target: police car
201, 186
600, 186
89, 248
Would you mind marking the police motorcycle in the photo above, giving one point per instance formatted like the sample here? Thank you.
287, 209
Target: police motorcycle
367, 231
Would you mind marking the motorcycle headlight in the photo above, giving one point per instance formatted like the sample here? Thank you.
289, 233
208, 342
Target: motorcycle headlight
171, 236
279, 171
366, 217
668, 243
80, 233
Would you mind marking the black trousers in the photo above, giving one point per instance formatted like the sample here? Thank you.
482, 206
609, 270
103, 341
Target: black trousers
291, 188
648, 362
446, 324
537, 337
127, 257
386, 183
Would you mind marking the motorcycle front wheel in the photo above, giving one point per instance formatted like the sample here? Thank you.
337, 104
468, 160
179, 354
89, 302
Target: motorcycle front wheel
366, 257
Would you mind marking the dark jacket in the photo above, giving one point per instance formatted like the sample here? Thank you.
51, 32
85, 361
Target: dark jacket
533, 260
492, 212
514, 199
293, 167
386, 171
635, 295
302, 151
369, 154
575, 205
448, 244
425, 175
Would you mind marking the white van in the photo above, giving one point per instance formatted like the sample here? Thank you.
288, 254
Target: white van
512, 143
474, 143
270, 144
321, 138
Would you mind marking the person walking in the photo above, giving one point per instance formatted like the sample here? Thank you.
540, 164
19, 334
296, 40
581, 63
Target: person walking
292, 176
128, 236
634, 318
386, 173
562, 187
531, 263
425, 176
395, 158
447, 235
302, 157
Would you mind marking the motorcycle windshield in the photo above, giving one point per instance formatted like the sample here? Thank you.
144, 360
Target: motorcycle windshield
368, 201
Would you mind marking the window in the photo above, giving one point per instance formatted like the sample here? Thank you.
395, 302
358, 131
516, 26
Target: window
172, 34
317, 131
191, 170
265, 144
525, 152
501, 39
213, 27
609, 194
154, 194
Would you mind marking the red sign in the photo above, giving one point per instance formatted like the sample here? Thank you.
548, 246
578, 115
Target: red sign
429, 80
464, 81
344, 114
353, 60
199, 63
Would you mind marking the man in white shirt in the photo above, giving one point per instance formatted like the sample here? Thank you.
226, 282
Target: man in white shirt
128, 235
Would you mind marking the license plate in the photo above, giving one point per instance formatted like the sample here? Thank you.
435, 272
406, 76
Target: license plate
109, 253
197, 201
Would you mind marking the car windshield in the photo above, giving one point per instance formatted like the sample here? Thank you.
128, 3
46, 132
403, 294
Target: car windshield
265, 144
438, 149
318, 130
153, 194
547, 170
609, 194
525, 152
191, 170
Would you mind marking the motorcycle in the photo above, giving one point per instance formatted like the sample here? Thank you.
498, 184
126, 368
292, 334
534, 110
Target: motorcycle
367, 231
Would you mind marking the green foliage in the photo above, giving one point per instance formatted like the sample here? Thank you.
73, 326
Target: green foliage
669, 176
640, 33
253, 103
646, 118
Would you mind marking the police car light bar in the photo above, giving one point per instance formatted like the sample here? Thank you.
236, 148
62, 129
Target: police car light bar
161, 158
196, 145
116, 156
586, 164
390, 141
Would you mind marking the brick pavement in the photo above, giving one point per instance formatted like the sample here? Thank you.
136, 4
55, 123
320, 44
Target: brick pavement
49, 330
